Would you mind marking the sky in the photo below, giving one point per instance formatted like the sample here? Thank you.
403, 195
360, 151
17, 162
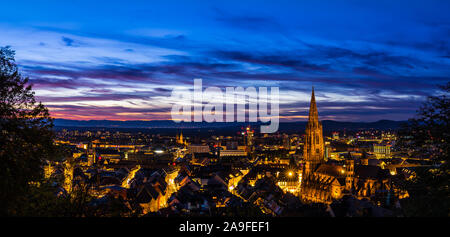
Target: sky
120, 60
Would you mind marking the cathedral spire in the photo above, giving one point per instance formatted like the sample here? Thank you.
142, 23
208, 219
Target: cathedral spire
313, 148
180, 139
313, 113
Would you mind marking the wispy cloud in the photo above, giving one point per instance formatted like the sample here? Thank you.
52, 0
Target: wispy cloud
111, 69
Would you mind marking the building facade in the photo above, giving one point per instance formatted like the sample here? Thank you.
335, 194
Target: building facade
324, 182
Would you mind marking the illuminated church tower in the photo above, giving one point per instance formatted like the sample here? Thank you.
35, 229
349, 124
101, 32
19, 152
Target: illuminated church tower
323, 182
180, 140
313, 149
92, 158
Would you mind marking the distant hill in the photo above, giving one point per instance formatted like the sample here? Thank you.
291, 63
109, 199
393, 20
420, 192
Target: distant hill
328, 125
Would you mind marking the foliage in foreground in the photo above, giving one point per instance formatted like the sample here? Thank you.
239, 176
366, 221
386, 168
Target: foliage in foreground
427, 136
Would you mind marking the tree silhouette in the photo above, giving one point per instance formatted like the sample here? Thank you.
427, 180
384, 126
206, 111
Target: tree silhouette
427, 136
26, 139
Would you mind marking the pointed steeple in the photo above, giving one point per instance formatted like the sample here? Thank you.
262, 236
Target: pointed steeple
313, 113
180, 139
313, 148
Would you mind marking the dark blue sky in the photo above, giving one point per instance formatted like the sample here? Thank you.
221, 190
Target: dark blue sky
368, 60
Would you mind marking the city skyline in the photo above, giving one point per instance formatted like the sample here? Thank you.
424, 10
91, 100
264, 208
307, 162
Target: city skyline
116, 61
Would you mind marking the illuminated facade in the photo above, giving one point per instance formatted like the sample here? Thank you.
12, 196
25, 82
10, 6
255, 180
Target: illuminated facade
382, 150
180, 139
324, 182
290, 182
320, 182
92, 159
313, 149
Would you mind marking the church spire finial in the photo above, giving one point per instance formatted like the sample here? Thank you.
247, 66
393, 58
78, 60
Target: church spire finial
313, 113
